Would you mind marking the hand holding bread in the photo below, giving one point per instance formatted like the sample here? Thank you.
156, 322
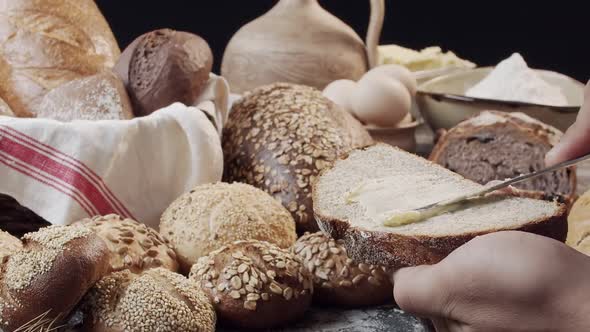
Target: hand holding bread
505, 281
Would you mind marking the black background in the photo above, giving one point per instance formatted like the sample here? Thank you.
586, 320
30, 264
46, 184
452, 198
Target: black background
550, 34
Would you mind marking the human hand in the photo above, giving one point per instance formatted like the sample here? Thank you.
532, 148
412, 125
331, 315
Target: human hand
507, 281
576, 141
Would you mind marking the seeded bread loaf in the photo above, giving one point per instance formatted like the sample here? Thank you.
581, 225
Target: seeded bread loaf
339, 280
133, 246
355, 197
46, 43
254, 284
498, 145
213, 215
279, 137
157, 300
98, 97
50, 275
17, 219
8, 245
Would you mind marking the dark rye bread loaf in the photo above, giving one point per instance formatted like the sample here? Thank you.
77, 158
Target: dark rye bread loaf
354, 197
279, 137
497, 145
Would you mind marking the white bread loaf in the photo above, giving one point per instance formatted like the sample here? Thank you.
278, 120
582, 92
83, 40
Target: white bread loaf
391, 179
45, 43
97, 97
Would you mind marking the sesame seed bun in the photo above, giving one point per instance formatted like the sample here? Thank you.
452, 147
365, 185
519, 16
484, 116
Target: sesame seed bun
156, 300
213, 215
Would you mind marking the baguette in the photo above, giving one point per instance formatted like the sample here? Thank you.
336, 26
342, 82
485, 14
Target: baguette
396, 180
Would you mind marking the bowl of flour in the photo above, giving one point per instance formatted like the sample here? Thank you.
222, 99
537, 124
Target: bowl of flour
511, 86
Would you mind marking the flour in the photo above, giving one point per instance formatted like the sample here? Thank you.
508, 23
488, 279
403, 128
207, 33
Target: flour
513, 80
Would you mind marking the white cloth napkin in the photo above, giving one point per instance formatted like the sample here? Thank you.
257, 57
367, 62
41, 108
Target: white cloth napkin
135, 168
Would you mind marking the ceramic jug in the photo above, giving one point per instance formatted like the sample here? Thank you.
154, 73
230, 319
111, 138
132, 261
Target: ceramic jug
298, 41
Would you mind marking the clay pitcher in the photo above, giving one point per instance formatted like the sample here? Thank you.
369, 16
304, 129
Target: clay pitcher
298, 41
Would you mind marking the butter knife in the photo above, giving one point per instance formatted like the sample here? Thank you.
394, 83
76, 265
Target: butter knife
449, 205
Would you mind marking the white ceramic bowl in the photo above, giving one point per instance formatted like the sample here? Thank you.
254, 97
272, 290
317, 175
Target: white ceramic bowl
443, 103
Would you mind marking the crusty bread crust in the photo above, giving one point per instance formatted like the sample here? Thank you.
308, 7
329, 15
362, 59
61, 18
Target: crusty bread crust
397, 251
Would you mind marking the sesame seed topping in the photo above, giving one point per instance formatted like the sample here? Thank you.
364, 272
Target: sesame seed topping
157, 297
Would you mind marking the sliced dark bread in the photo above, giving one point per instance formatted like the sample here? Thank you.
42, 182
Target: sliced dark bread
499, 145
393, 179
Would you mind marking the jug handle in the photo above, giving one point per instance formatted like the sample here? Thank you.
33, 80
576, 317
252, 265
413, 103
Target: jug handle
374, 31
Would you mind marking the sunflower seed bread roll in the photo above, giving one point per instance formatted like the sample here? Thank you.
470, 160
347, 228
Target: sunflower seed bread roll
338, 279
254, 284
133, 246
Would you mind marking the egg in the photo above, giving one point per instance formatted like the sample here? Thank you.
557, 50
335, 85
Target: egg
340, 92
381, 101
400, 73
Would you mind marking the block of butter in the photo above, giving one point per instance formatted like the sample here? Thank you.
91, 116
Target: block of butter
426, 59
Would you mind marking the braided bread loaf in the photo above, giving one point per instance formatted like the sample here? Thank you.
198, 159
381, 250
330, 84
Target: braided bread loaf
50, 274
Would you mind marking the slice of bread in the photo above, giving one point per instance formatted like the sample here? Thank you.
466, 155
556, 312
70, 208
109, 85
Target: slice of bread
498, 145
393, 179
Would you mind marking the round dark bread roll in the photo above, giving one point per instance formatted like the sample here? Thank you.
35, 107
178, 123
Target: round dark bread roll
156, 300
8, 245
280, 137
254, 284
167, 66
50, 275
338, 280
498, 145
133, 246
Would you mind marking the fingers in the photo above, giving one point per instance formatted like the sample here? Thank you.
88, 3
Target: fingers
422, 291
576, 141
